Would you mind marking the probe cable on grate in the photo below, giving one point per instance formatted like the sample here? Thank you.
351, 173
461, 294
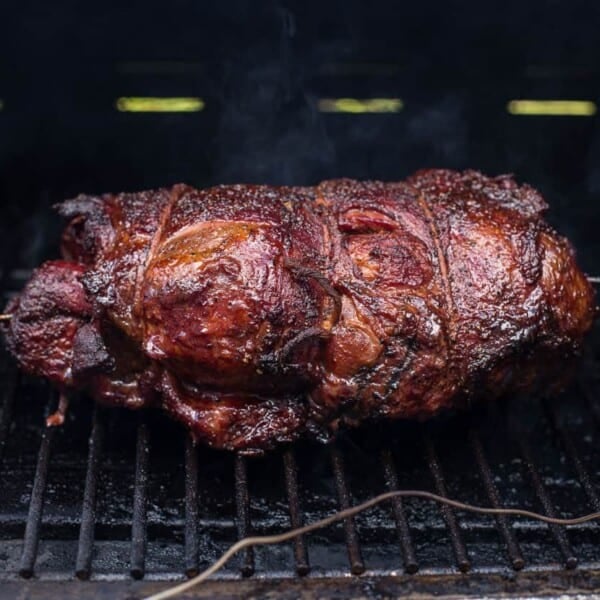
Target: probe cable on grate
352, 511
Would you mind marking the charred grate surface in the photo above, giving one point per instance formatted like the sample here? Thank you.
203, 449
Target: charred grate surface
115, 495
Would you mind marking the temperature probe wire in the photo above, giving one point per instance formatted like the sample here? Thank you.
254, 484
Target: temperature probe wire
350, 512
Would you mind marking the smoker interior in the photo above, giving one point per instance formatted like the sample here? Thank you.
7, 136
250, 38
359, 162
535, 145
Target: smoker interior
122, 500
115, 495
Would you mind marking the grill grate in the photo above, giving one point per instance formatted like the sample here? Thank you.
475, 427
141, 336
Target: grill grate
115, 495
138, 524
512, 545
291, 486
406, 543
460, 552
36, 505
192, 548
558, 532
83, 565
242, 504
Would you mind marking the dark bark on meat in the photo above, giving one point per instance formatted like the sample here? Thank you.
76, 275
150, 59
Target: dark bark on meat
253, 314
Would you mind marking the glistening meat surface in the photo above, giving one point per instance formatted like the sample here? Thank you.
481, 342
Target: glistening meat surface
255, 314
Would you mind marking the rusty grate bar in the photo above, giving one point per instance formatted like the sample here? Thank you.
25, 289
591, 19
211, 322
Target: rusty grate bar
191, 550
536, 479
290, 471
404, 536
573, 455
140, 494
242, 503
83, 563
8, 402
512, 545
458, 545
357, 566
36, 504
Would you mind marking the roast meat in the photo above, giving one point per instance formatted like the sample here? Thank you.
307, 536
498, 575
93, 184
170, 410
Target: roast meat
256, 314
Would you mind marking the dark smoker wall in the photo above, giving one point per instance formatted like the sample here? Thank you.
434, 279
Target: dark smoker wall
261, 68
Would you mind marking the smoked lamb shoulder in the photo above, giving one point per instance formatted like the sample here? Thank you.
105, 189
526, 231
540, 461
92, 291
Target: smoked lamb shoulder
256, 314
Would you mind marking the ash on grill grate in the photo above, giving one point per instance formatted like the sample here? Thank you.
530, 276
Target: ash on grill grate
115, 494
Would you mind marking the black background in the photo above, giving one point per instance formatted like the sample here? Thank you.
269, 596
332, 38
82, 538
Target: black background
261, 66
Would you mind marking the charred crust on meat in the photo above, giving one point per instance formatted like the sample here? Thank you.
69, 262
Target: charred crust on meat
90, 354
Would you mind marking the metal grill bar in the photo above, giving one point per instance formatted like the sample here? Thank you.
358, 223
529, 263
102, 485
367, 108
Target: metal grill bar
406, 545
571, 451
558, 532
83, 563
460, 551
138, 525
290, 471
8, 401
36, 505
242, 503
357, 565
191, 550
512, 545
